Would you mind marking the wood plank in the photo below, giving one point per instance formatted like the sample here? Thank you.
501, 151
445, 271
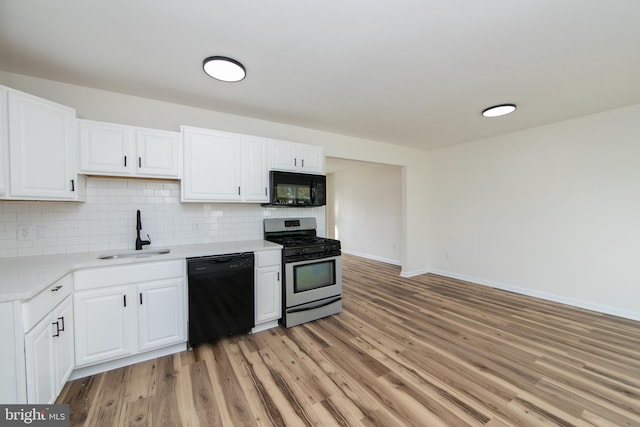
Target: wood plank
164, 406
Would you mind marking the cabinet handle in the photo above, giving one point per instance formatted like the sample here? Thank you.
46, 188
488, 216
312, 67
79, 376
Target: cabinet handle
303, 163
238, 191
57, 288
57, 334
295, 161
61, 319
125, 300
125, 161
140, 298
73, 185
265, 191
139, 162
278, 275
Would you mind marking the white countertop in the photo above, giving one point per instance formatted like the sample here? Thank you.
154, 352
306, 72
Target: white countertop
22, 278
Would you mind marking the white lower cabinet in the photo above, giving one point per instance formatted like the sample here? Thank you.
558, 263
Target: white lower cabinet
268, 289
128, 310
106, 325
161, 317
49, 354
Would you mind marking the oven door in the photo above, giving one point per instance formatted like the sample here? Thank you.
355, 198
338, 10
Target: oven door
312, 280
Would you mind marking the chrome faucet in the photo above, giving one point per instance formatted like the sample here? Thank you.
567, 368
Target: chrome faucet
139, 242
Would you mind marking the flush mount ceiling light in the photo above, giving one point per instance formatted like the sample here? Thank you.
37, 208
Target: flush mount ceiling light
224, 69
499, 110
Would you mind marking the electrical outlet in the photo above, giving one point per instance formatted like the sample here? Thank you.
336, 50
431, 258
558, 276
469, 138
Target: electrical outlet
42, 231
26, 232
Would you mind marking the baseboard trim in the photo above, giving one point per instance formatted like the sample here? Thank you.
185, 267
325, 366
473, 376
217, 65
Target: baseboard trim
373, 257
413, 273
126, 361
264, 326
604, 309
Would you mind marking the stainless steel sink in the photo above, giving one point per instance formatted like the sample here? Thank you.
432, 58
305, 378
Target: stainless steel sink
135, 254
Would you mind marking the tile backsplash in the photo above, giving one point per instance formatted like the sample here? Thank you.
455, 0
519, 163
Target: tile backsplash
107, 219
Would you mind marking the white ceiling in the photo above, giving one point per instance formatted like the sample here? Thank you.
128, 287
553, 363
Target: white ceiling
409, 72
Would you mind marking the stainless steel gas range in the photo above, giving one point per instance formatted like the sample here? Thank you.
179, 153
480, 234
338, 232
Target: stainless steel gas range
312, 268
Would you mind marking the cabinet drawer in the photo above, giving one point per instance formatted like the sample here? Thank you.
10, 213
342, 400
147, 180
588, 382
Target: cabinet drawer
42, 304
101, 277
264, 258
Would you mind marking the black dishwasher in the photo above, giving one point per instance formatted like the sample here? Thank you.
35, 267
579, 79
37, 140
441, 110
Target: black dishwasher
221, 296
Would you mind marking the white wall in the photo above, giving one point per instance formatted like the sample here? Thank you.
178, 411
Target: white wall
552, 211
366, 211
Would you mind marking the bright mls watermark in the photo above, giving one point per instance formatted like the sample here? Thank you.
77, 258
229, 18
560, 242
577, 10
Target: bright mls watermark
34, 415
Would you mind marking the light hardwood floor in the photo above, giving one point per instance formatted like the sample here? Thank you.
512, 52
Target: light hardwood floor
426, 351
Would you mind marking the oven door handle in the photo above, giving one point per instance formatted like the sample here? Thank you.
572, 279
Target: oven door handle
306, 307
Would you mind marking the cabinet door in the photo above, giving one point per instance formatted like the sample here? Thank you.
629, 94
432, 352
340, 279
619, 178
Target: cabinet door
63, 344
283, 155
4, 147
41, 148
255, 171
158, 153
39, 359
310, 159
161, 313
268, 293
105, 324
212, 165
106, 148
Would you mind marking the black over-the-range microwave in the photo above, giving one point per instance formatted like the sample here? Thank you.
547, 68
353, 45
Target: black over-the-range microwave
297, 189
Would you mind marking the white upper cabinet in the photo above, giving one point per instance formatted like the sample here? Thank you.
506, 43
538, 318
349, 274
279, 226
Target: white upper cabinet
105, 148
255, 169
212, 165
119, 150
311, 158
291, 156
223, 167
158, 153
38, 148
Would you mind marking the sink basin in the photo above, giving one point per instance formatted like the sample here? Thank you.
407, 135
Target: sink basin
135, 254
